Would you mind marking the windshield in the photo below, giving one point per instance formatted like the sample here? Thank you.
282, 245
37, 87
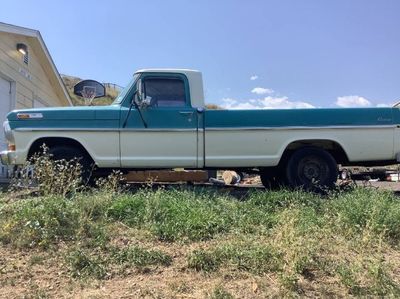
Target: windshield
124, 92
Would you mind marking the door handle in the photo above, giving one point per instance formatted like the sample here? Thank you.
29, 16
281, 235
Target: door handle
187, 113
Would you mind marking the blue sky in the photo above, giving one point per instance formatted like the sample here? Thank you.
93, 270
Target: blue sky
300, 53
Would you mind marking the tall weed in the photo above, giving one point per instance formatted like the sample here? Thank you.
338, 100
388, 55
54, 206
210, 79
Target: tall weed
47, 176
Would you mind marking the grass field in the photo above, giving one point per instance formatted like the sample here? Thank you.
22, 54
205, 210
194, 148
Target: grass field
190, 242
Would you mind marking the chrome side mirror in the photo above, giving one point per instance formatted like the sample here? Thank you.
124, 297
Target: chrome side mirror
139, 92
141, 99
146, 102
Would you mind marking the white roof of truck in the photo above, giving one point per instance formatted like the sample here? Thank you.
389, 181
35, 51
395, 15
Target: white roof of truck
167, 70
195, 83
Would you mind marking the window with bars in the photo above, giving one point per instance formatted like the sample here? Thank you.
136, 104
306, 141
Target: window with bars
26, 58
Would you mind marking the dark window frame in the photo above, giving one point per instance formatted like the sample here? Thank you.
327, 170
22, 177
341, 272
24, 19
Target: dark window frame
168, 76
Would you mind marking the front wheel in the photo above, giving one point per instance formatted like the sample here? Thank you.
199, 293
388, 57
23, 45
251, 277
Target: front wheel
312, 169
69, 153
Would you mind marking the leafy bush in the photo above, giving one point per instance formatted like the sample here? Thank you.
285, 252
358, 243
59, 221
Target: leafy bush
204, 260
366, 209
130, 209
176, 215
47, 220
83, 265
181, 215
38, 222
173, 215
220, 293
253, 258
140, 257
275, 201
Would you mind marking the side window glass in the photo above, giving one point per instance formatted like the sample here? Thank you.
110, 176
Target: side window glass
165, 92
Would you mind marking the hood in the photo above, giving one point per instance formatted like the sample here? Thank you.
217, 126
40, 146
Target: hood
69, 113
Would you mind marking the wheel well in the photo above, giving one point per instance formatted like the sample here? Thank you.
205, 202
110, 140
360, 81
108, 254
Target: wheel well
332, 147
54, 141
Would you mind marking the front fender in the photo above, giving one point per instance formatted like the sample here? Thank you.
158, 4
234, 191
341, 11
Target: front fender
102, 146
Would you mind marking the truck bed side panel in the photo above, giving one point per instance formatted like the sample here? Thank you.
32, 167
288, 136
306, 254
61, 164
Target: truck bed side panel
246, 138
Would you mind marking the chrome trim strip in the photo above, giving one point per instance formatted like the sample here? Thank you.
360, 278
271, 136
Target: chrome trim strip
207, 129
105, 130
299, 128
157, 130
65, 129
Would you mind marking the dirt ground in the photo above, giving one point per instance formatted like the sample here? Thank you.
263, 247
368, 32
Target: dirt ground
42, 274
394, 186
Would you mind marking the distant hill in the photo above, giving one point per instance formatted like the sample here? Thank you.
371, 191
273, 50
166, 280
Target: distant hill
213, 107
112, 92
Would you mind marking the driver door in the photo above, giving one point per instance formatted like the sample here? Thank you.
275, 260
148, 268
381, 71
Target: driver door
170, 138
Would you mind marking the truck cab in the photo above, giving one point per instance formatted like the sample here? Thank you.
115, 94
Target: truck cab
165, 130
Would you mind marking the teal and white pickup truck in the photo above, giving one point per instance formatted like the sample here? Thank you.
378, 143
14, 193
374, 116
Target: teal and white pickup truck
159, 121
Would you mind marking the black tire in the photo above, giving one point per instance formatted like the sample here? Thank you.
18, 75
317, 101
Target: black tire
272, 178
69, 153
212, 173
312, 169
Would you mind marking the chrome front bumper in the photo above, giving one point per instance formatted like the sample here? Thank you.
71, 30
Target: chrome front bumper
7, 157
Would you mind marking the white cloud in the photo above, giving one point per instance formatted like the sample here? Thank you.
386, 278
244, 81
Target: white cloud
261, 90
228, 102
254, 77
282, 102
265, 103
383, 105
352, 101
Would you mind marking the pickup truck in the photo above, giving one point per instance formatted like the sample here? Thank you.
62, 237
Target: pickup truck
159, 121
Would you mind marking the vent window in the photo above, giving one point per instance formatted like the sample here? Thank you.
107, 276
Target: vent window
26, 58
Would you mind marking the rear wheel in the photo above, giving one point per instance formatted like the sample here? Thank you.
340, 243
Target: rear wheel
312, 168
69, 153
